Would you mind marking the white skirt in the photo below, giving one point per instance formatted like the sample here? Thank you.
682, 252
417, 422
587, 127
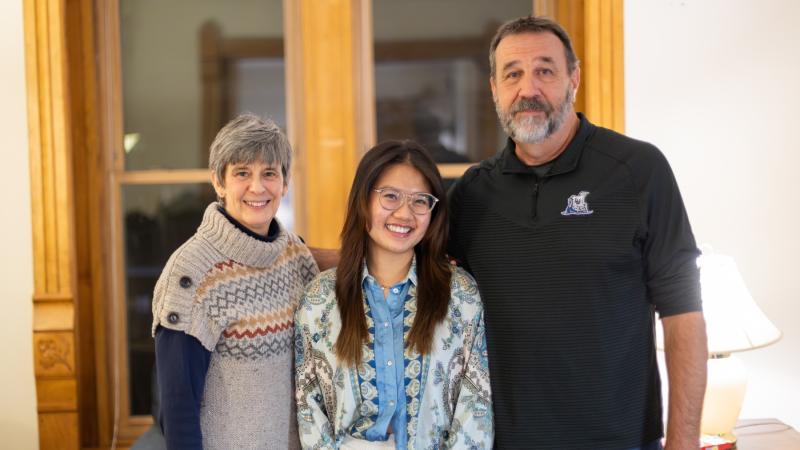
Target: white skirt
351, 443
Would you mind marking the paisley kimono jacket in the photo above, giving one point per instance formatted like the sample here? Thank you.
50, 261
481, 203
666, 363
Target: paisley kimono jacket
447, 391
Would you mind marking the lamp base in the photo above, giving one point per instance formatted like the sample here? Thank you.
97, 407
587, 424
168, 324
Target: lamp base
713, 442
727, 380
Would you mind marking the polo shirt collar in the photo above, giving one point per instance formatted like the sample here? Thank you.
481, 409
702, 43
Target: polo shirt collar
567, 161
411, 276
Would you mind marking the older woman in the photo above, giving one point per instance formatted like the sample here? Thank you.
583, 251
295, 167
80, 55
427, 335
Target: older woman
223, 306
390, 345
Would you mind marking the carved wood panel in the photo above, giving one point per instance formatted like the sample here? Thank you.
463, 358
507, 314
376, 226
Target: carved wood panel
54, 354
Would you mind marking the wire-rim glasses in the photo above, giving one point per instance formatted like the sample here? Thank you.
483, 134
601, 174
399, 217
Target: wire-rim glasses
419, 202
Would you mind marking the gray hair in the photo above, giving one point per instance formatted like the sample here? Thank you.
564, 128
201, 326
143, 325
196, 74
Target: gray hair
532, 24
246, 139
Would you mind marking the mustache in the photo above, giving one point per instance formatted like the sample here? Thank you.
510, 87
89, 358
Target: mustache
531, 104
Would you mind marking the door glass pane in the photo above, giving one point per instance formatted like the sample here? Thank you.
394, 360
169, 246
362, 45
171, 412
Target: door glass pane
432, 74
157, 220
186, 70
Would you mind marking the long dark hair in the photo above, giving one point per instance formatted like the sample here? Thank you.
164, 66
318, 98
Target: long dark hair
433, 270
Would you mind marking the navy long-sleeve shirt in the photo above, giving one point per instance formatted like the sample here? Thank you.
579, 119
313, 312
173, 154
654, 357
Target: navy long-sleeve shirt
182, 364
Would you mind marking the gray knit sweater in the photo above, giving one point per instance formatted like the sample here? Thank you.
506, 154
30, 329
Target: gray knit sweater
237, 296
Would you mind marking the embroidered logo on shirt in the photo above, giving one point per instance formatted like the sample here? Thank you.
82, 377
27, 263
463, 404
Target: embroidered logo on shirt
577, 206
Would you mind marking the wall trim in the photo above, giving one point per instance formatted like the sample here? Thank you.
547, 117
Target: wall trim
55, 361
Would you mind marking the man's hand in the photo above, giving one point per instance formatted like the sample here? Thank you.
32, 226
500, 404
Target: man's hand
686, 352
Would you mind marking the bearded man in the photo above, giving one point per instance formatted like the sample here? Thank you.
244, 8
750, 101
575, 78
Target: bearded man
577, 236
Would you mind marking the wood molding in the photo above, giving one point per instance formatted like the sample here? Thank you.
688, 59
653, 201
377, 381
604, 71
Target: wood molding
121, 429
364, 78
165, 176
211, 72
295, 109
604, 63
90, 163
53, 222
327, 55
53, 316
40, 297
545, 8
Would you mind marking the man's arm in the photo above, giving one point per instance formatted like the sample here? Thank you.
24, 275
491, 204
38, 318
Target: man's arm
686, 354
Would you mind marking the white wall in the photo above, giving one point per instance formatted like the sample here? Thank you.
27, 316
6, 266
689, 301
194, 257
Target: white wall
18, 423
715, 84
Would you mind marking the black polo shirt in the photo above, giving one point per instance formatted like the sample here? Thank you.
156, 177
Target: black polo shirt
571, 267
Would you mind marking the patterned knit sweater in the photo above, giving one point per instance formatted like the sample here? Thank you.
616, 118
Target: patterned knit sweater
237, 295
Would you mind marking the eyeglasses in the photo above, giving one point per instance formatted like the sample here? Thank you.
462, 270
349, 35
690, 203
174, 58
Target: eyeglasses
419, 202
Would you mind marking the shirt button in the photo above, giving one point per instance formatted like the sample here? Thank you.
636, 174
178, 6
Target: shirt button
396, 290
391, 402
185, 282
389, 363
385, 324
172, 318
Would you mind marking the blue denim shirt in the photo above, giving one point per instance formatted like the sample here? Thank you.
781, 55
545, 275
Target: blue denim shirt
387, 314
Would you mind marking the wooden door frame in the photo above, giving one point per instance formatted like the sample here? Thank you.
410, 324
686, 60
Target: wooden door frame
74, 117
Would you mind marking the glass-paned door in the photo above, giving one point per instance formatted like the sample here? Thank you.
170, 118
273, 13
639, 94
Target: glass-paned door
187, 67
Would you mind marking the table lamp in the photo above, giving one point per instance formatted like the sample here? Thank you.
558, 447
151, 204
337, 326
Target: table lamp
734, 323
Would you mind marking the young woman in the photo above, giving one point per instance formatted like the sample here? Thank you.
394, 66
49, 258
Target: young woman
390, 348
223, 307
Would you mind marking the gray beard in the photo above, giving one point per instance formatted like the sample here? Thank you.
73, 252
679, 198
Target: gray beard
533, 130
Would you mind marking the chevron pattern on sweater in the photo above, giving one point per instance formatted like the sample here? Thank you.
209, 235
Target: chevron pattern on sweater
257, 348
270, 318
257, 331
255, 306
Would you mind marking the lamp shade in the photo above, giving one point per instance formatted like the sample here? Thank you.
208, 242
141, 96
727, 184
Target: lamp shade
733, 320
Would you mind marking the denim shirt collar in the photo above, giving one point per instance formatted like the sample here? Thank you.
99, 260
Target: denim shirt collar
410, 276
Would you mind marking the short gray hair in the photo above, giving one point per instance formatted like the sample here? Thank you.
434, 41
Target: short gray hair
532, 24
246, 139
